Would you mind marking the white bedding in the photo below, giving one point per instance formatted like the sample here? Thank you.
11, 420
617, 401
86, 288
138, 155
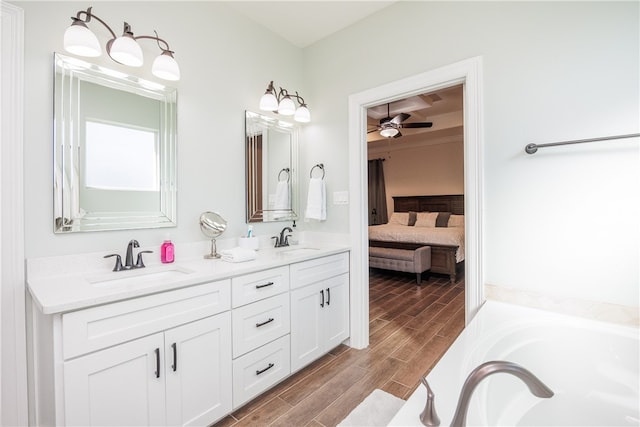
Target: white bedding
453, 236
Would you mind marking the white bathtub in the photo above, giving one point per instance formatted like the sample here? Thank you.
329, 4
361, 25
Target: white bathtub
592, 367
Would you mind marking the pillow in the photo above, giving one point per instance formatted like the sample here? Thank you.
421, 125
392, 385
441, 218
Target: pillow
399, 218
443, 219
426, 219
412, 218
456, 221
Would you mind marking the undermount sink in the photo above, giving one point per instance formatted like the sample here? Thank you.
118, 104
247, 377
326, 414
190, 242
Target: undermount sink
299, 251
138, 276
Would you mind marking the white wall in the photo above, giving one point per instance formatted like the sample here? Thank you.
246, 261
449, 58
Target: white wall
563, 222
226, 63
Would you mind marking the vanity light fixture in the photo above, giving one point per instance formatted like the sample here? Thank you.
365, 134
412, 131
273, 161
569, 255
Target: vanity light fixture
282, 103
80, 40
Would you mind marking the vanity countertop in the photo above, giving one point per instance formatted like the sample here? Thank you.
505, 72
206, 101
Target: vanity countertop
67, 290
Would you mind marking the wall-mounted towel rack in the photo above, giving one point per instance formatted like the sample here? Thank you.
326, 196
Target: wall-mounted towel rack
319, 166
286, 171
532, 148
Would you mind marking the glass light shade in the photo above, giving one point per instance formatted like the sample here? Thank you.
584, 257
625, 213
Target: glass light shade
302, 115
127, 51
268, 102
166, 67
389, 132
80, 40
287, 107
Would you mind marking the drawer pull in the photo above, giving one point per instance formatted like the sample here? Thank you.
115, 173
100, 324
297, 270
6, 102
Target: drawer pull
328, 297
174, 366
264, 323
265, 285
157, 351
261, 371
322, 293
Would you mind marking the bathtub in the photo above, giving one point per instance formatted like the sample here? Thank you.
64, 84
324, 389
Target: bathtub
592, 367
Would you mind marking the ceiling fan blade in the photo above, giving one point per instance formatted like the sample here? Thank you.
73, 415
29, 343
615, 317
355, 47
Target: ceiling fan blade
385, 120
416, 125
400, 118
398, 135
373, 130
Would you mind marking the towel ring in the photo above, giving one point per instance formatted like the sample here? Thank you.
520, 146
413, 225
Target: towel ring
285, 170
320, 166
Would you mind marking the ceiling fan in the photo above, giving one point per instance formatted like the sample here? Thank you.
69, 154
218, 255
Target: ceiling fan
390, 126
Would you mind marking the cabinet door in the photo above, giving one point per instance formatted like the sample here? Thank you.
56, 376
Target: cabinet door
306, 331
198, 366
122, 385
335, 314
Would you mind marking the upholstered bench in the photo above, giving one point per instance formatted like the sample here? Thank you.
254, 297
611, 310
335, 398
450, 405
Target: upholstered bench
407, 260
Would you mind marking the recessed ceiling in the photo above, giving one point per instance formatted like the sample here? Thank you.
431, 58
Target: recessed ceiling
303, 23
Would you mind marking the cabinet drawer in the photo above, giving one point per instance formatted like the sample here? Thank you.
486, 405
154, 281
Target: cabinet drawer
257, 371
304, 273
99, 327
256, 286
258, 323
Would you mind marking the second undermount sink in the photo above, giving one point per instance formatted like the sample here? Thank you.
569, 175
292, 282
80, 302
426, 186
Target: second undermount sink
299, 251
139, 276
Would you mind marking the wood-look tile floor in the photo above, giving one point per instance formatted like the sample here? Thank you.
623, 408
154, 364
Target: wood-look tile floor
410, 328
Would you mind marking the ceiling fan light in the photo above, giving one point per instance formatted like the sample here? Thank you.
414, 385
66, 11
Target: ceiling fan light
389, 132
80, 40
287, 107
268, 102
166, 67
302, 115
127, 51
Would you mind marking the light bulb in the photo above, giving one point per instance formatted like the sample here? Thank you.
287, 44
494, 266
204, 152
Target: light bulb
127, 51
287, 107
268, 102
302, 115
166, 67
80, 40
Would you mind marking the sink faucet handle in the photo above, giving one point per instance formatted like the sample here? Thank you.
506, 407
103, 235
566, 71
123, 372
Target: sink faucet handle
118, 266
429, 417
139, 262
277, 244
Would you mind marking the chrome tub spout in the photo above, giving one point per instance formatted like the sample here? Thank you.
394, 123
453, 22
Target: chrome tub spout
536, 386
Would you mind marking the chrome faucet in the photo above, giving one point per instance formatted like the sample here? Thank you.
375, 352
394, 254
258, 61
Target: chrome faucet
536, 387
128, 263
283, 240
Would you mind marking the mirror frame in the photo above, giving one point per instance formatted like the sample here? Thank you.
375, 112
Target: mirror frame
257, 123
68, 215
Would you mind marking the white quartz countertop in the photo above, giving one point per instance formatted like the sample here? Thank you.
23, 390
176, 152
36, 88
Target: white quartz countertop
67, 290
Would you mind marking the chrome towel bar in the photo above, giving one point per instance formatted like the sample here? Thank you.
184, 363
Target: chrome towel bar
532, 148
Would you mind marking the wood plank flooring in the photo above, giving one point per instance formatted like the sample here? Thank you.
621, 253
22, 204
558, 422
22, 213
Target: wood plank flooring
411, 327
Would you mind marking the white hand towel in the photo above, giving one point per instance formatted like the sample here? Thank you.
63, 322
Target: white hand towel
238, 254
316, 200
282, 196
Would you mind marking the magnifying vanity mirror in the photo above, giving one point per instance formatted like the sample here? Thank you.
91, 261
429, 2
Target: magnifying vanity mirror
271, 168
212, 225
114, 149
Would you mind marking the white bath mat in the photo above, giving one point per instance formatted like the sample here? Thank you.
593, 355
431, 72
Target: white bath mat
377, 409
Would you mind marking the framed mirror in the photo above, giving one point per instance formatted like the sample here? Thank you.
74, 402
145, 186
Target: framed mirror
271, 168
114, 149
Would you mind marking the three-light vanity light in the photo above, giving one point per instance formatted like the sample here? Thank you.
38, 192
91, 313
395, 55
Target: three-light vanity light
80, 40
282, 103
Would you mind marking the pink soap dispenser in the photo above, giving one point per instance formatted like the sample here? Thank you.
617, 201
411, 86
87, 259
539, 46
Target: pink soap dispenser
167, 252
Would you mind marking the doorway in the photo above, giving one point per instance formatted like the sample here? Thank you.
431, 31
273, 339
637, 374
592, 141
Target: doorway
469, 74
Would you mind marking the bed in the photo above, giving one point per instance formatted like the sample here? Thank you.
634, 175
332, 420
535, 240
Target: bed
446, 239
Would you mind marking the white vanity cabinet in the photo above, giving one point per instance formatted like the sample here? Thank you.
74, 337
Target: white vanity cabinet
261, 325
319, 307
162, 359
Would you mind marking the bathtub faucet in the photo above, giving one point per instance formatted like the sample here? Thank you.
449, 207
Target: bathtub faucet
536, 387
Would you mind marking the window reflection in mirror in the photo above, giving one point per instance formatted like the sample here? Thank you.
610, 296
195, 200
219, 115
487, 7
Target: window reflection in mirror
114, 150
271, 165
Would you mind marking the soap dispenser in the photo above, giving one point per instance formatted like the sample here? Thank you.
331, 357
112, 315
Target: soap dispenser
167, 252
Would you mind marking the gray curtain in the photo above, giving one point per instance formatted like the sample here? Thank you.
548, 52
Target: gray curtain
377, 193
